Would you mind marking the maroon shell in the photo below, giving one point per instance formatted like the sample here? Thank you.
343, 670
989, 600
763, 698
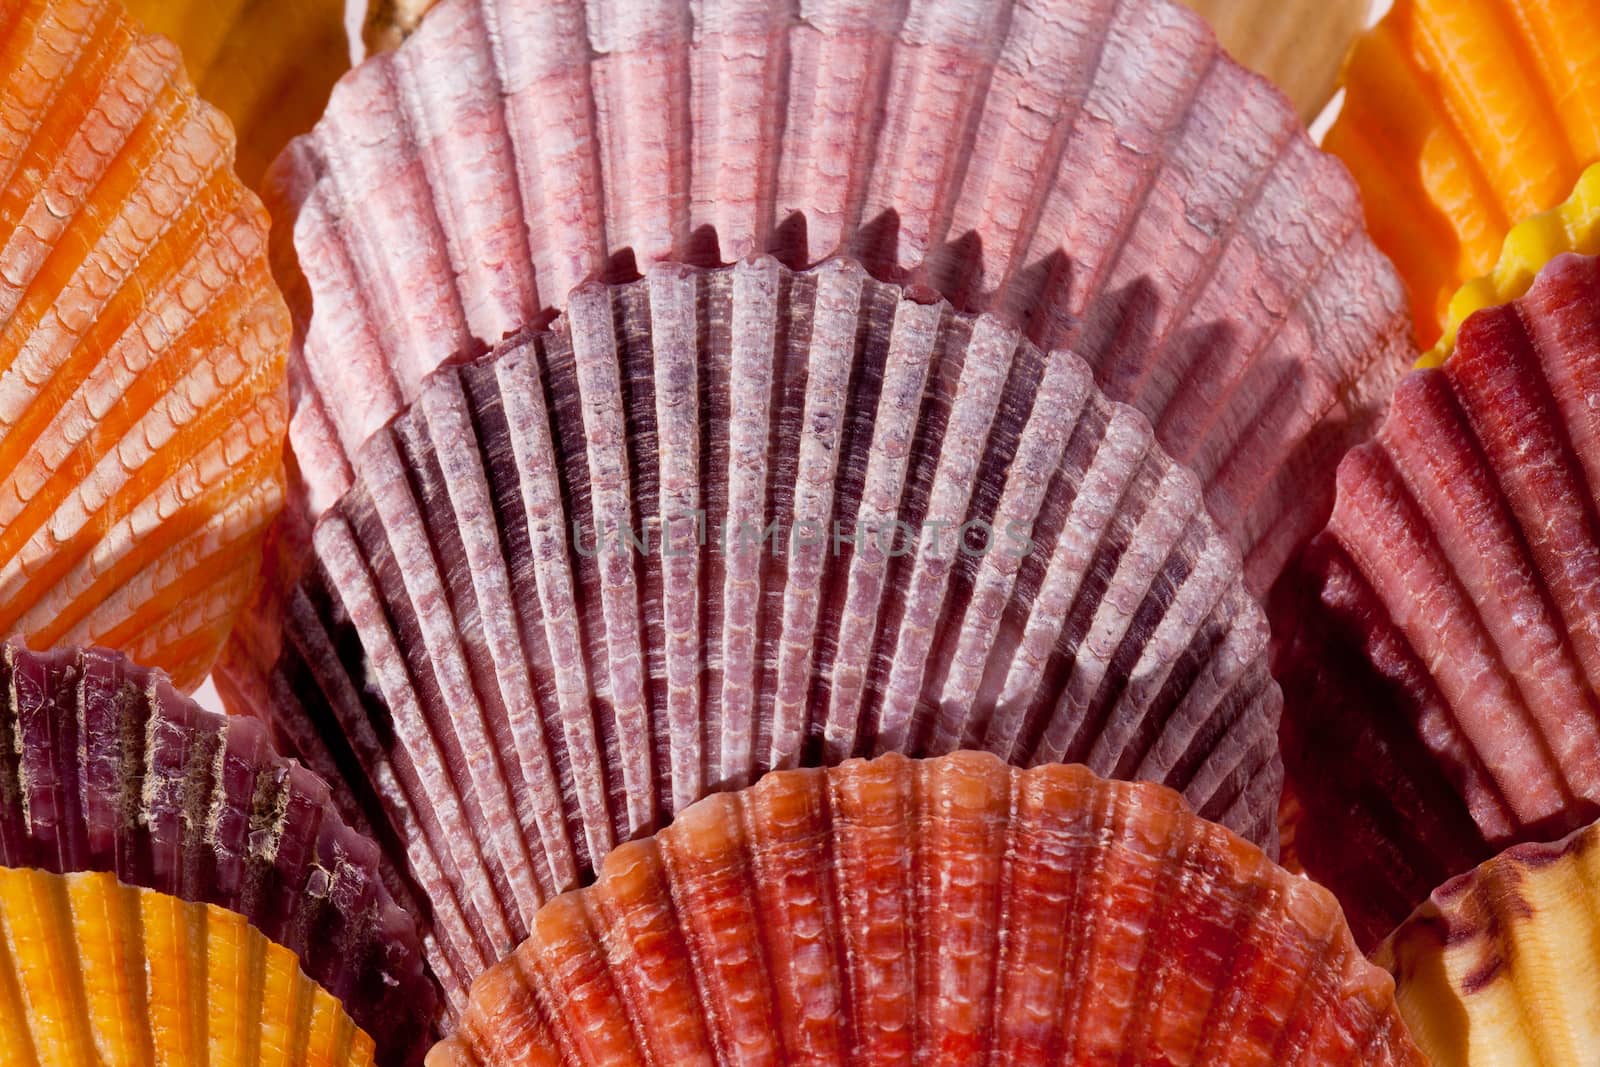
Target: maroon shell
1098, 171
1441, 639
498, 645
107, 767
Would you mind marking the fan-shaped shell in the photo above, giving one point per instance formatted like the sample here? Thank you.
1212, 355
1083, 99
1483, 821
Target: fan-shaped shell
142, 399
108, 768
490, 640
1442, 647
1461, 119
1499, 965
268, 64
1572, 226
96, 972
1098, 172
1298, 45
953, 911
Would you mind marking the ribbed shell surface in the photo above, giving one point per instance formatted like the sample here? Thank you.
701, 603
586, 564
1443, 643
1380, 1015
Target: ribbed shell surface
950, 911
142, 341
1502, 965
107, 768
93, 972
1441, 646
486, 647
1099, 172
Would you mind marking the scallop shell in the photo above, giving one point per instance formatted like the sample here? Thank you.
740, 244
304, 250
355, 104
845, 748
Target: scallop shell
1459, 121
96, 972
268, 64
1298, 45
487, 642
1499, 965
1441, 648
1573, 226
108, 768
953, 911
1102, 174
142, 341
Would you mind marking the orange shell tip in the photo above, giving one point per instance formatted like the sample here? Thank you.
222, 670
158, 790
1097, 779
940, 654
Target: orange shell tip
1459, 121
1001, 915
142, 344
95, 972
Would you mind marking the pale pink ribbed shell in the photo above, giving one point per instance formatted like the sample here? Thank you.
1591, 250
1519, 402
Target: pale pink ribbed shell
1096, 170
518, 699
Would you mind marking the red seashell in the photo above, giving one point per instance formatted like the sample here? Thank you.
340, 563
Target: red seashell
1441, 639
487, 650
951, 911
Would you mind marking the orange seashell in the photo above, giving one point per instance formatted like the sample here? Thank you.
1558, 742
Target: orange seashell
1498, 966
1440, 641
1298, 45
107, 768
142, 341
1461, 118
708, 526
1102, 175
952, 911
268, 64
95, 972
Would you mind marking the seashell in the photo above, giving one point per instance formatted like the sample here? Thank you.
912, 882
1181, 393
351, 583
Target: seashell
952, 911
1441, 642
1498, 965
1104, 176
381, 25
1572, 226
491, 646
96, 972
142, 396
108, 768
1298, 45
268, 64
1460, 120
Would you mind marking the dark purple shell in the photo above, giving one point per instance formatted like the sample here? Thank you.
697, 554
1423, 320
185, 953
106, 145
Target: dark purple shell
516, 693
107, 767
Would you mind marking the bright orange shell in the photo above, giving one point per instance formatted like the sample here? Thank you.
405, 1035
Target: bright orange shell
949, 911
142, 347
268, 64
94, 972
1460, 119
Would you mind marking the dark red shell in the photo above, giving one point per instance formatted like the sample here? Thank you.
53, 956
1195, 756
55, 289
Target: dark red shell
518, 685
106, 767
950, 911
1441, 639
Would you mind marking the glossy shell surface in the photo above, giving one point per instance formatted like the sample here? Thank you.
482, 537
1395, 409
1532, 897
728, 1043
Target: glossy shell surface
108, 768
1460, 119
1502, 965
96, 972
949, 911
721, 521
1441, 646
142, 344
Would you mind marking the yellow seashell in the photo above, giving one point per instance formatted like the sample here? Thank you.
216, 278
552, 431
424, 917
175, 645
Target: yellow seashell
1572, 226
95, 972
1298, 45
268, 64
1502, 964
1460, 119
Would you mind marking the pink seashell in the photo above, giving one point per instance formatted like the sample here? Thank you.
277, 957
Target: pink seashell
952, 911
1441, 639
108, 768
519, 688
1097, 171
